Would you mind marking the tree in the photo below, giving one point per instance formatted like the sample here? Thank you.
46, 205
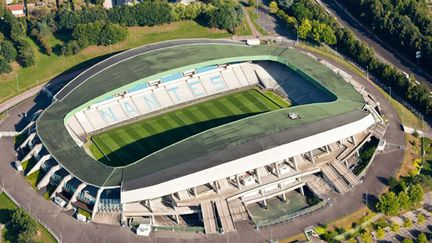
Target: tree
24, 225
317, 29
226, 15
416, 194
4, 66
395, 227
112, 33
252, 3
8, 51
388, 204
380, 233
25, 53
404, 200
422, 238
421, 218
304, 29
328, 35
407, 240
407, 223
273, 7
366, 237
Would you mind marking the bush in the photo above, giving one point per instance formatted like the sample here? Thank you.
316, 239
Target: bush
226, 15
395, 227
407, 223
380, 233
4, 66
24, 225
421, 218
72, 47
7, 50
25, 53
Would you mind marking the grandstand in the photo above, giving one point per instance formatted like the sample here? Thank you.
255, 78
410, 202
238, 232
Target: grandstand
217, 171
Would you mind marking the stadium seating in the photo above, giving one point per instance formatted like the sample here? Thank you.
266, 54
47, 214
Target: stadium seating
173, 89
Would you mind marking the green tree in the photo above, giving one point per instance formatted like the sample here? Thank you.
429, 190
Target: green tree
226, 15
388, 204
273, 7
416, 194
4, 66
25, 52
304, 29
407, 240
7, 50
112, 33
328, 35
395, 227
404, 200
421, 218
252, 3
380, 233
24, 225
422, 238
366, 237
317, 29
407, 223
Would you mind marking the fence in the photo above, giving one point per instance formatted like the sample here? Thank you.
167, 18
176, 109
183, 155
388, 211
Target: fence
179, 228
35, 217
291, 216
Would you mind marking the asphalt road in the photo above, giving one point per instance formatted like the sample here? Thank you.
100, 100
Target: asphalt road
70, 230
384, 50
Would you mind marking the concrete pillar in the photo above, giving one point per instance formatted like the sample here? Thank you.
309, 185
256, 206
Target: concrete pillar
346, 163
257, 176
95, 207
74, 196
353, 140
153, 219
284, 197
327, 150
195, 191
37, 166
45, 180
301, 190
238, 182
59, 188
215, 186
277, 170
311, 156
265, 203
295, 164
177, 218
149, 204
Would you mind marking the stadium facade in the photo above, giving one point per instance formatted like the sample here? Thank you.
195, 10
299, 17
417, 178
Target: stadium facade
217, 173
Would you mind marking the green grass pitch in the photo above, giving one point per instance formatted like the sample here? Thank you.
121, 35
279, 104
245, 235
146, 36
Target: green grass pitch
124, 145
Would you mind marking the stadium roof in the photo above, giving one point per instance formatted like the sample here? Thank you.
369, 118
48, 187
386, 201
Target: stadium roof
232, 140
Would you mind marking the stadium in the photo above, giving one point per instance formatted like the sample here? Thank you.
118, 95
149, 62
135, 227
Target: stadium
201, 134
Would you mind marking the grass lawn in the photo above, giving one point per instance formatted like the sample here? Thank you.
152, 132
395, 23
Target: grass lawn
6, 210
84, 213
48, 67
35, 177
131, 142
243, 28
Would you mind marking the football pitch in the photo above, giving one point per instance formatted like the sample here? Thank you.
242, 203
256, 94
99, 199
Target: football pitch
124, 145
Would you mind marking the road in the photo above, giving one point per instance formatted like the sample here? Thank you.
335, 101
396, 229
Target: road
384, 50
66, 227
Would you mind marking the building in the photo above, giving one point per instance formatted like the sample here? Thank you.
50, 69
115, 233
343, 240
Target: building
216, 176
17, 10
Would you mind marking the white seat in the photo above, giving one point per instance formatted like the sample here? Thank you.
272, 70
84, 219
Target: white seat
196, 88
83, 120
231, 80
240, 75
146, 102
96, 119
213, 83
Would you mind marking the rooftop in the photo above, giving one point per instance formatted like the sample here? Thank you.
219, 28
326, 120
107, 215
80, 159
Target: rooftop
232, 140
